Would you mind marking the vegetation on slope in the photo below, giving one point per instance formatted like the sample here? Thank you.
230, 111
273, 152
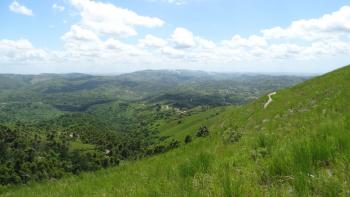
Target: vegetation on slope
34, 98
74, 123
298, 146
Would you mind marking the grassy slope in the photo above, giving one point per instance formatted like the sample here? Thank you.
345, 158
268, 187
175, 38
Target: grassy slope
299, 145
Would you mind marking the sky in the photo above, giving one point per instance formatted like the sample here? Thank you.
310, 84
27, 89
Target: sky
116, 36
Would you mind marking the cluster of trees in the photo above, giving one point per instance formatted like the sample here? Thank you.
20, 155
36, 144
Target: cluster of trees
28, 155
45, 150
117, 145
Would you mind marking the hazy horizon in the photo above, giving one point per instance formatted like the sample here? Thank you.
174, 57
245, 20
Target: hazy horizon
174, 70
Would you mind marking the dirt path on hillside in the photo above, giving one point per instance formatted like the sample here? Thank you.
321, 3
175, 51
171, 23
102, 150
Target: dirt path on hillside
270, 99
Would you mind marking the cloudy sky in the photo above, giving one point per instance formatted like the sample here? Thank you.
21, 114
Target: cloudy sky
115, 36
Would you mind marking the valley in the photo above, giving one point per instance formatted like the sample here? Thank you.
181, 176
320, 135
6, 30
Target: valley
298, 145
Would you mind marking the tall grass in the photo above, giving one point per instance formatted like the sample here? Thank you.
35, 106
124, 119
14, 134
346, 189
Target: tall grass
198, 164
231, 186
299, 161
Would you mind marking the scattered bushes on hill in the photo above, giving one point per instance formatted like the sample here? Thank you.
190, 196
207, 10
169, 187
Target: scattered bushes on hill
163, 147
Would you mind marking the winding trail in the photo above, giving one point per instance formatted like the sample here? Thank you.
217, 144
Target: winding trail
270, 99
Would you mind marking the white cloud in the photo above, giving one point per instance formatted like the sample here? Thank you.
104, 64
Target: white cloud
97, 40
20, 51
21, 9
116, 46
182, 38
327, 26
328, 48
204, 43
86, 46
106, 18
81, 43
172, 53
58, 8
152, 41
252, 41
284, 51
77, 33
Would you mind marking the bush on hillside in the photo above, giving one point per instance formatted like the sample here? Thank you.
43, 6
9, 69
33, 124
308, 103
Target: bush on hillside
188, 139
231, 136
202, 131
174, 144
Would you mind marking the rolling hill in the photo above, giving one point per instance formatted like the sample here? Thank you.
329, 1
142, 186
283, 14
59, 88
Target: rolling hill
298, 146
120, 98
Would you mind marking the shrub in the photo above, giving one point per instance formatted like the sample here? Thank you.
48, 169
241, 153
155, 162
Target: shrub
174, 144
258, 153
202, 131
231, 136
159, 149
188, 139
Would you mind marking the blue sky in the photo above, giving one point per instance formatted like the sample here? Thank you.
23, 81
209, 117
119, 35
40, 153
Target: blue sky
216, 35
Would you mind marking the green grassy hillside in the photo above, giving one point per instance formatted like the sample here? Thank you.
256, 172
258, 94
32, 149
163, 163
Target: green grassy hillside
298, 146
